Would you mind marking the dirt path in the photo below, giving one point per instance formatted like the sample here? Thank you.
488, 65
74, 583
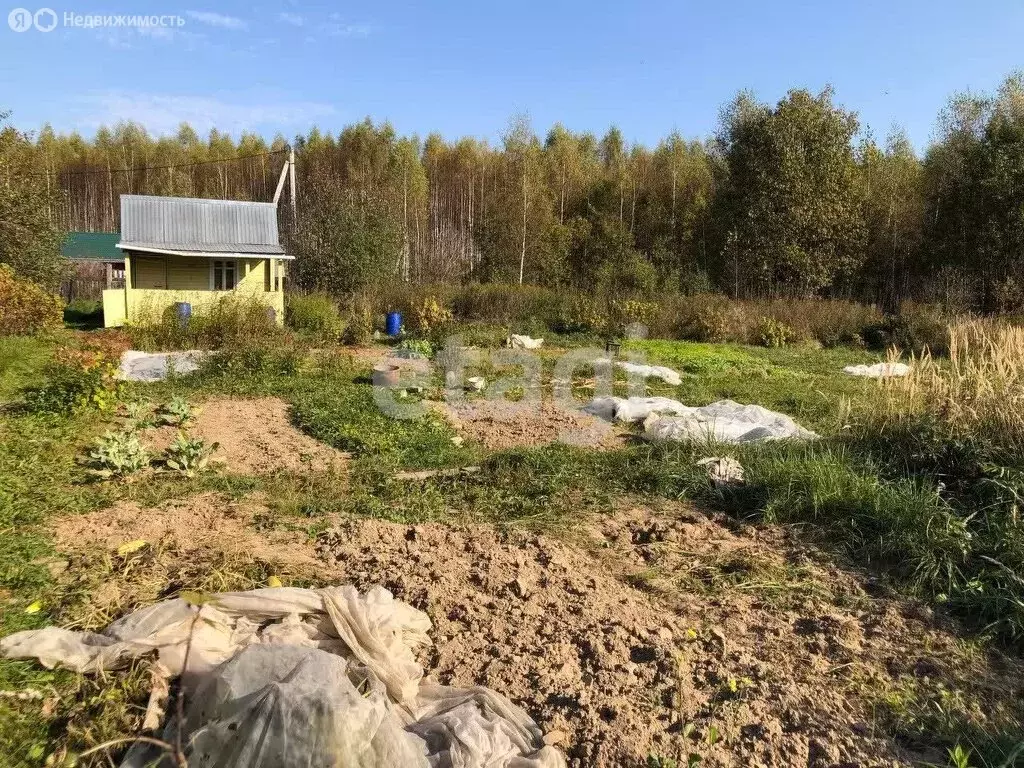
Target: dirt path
653, 631
255, 436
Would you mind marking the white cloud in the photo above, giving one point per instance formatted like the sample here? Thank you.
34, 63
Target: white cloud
339, 29
124, 38
217, 19
162, 114
291, 18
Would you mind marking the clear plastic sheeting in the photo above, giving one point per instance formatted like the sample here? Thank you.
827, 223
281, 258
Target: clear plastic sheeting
633, 408
301, 677
517, 341
156, 366
655, 371
724, 421
878, 370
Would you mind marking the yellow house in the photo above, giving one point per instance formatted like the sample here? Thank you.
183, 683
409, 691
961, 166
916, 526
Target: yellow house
186, 250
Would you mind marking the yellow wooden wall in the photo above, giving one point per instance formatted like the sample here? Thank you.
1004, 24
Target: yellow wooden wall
153, 283
182, 273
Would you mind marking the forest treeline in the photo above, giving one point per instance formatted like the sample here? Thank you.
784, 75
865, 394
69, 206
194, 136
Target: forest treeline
786, 200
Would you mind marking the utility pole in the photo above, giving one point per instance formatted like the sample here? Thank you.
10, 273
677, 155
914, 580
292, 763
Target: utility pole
291, 173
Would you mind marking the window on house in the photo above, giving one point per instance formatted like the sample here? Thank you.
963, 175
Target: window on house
224, 275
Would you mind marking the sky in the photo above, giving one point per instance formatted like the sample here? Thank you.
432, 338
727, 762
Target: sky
467, 68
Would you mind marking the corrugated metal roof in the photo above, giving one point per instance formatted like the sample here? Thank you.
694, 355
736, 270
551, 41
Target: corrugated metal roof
192, 224
91, 246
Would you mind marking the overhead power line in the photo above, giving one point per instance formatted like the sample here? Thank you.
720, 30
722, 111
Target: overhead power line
160, 167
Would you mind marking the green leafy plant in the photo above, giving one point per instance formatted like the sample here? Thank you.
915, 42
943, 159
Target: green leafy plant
422, 347
189, 455
959, 757
178, 412
140, 413
117, 454
253, 360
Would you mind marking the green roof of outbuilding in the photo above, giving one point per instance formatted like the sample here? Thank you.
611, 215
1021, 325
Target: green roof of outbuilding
92, 246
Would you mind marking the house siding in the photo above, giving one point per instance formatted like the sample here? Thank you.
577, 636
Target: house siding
150, 272
154, 283
188, 274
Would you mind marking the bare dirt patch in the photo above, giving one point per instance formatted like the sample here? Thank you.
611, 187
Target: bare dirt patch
498, 424
255, 437
619, 652
208, 521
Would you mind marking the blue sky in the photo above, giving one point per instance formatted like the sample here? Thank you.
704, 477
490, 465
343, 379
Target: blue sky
464, 68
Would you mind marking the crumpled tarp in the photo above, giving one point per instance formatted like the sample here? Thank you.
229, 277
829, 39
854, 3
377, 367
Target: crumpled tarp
524, 342
723, 471
155, 366
633, 408
878, 370
290, 677
724, 421
658, 371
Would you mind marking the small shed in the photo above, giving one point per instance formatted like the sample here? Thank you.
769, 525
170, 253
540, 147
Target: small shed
195, 251
98, 264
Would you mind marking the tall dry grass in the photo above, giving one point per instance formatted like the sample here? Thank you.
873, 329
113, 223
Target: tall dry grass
977, 391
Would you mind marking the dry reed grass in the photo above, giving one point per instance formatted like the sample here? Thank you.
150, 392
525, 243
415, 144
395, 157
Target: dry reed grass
977, 390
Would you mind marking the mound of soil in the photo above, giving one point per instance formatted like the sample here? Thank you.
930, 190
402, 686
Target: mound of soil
255, 437
498, 424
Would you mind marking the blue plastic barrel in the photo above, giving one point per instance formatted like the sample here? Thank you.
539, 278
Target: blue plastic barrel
393, 326
184, 312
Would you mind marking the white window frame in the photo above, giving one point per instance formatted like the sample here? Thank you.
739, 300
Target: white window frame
223, 263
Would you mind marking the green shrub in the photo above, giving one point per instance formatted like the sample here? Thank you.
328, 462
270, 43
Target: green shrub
25, 307
710, 323
626, 312
314, 315
917, 327
359, 326
430, 317
580, 313
253, 359
774, 334
229, 322
76, 379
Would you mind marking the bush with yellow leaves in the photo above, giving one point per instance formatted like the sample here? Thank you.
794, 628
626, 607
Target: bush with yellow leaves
25, 308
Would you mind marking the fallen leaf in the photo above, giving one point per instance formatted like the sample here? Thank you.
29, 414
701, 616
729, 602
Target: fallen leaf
131, 546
